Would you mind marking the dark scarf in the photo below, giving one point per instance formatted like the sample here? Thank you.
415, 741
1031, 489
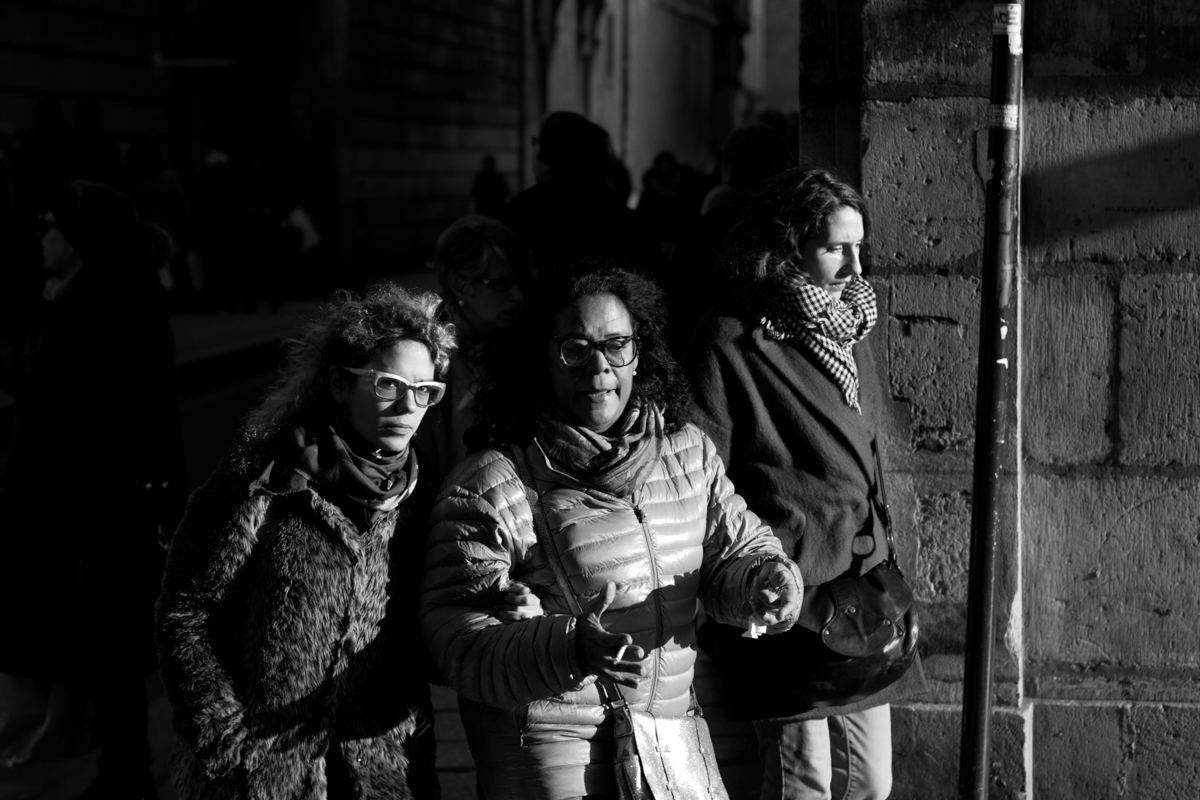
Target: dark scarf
315, 453
616, 461
793, 308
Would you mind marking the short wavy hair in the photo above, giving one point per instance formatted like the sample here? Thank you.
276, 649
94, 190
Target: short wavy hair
773, 229
467, 246
513, 379
349, 331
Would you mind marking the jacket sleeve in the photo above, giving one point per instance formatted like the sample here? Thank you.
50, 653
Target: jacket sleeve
207, 555
736, 544
482, 528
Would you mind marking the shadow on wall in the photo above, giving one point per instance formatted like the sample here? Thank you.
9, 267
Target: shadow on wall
1083, 198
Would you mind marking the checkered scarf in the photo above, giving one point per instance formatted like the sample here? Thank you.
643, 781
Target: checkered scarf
828, 328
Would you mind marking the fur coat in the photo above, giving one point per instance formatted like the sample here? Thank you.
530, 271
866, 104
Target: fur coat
288, 638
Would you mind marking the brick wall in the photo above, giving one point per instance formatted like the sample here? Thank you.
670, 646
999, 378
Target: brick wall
1097, 692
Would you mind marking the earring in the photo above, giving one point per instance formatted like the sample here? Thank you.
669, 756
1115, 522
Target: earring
461, 302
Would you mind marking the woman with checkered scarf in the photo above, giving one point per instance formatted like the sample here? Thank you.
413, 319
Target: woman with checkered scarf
786, 387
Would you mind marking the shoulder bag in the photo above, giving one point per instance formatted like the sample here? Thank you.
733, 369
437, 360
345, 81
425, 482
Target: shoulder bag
854, 636
654, 757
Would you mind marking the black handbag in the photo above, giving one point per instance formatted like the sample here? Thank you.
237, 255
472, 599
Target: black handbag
854, 637
654, 757
861, 632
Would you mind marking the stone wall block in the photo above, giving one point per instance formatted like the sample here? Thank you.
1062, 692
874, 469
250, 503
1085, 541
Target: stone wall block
1085, 37
1178, 34
1080, 751
1166, 742
1113, 182
926, 742
1068, 344
933, 344
1160, 369
1109, 578
909, 42
919, 180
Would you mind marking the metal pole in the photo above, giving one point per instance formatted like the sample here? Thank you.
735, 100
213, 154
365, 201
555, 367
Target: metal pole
1000, 252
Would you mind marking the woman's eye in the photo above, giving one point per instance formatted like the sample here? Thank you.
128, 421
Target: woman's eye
389, 384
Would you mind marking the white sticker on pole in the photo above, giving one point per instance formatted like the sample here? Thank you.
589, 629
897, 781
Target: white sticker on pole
1006, 21
1003, 115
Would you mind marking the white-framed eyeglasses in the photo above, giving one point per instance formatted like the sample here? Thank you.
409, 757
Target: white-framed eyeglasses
576, 351
388, 386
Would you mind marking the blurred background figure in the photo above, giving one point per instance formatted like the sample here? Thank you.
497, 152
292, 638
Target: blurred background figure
489, 189
94, 480
221, 210
91, 153
484, 271
751, 154
660, 205
161, 200
571, 212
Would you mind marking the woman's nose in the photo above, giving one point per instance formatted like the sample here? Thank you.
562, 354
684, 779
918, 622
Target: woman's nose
407, 401
597, 362
854, 262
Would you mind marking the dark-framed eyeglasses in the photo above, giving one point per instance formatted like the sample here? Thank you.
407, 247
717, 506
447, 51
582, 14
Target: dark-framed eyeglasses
575, 351
388, 386
500, 285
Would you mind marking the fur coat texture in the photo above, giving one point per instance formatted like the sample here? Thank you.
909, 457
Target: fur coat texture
288, 639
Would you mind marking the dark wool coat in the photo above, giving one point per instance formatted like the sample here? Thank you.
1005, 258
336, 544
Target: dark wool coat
803, 460
287, 637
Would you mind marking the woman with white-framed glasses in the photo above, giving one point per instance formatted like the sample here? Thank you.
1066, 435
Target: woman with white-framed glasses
286, 626
644, 522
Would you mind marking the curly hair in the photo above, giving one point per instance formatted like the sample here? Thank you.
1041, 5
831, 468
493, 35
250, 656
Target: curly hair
793, 207
348, 332
513, 375
465, 248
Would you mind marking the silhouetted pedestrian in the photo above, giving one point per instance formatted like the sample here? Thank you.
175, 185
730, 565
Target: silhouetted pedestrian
95, 473
484, 270
571, 213
489, 189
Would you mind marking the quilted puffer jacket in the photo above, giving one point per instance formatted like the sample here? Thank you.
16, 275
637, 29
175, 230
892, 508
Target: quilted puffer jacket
535, 723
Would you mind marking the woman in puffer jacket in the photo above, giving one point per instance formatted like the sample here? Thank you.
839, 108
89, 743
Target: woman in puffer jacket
287, 628
641, 514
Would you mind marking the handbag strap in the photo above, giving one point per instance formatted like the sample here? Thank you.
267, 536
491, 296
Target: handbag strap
612, 696
879, 493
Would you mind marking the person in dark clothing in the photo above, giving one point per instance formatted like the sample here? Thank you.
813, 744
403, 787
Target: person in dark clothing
95, 474
751, 154
489, 190
571, 213
788, 389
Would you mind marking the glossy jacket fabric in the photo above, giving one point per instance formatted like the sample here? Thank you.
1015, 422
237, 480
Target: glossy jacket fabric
534, 721
805, 463
285, 634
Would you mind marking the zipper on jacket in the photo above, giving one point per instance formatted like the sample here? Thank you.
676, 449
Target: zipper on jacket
658, 612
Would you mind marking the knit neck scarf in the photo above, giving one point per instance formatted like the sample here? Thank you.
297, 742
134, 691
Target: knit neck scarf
616, 461
314, 452
828, 327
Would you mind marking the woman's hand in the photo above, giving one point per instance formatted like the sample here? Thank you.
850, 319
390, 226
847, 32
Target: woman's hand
517, 602
608, 655
775, 597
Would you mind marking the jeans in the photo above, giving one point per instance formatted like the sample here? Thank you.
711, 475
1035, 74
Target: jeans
845, 757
